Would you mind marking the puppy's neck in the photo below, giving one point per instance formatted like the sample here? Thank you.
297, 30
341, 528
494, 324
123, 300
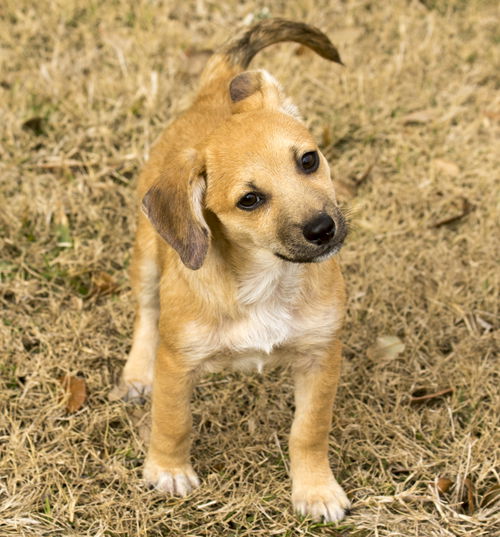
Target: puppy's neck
262, 277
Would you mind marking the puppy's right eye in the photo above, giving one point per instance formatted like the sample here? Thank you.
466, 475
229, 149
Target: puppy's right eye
251, 201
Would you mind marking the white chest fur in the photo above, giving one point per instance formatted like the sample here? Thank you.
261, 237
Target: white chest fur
269, 296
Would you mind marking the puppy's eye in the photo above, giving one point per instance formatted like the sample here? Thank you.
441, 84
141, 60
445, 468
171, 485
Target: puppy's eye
251, 201
309, 162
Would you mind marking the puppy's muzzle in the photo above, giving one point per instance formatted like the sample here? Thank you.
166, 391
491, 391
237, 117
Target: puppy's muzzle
314, 240
320, 229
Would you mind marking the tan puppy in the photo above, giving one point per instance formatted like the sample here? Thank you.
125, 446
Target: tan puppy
233, 264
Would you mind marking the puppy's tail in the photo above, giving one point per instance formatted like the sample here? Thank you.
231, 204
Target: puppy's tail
236, 54
241, 49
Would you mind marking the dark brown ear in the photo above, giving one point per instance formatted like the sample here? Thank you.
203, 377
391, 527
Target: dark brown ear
252, 90
175, 209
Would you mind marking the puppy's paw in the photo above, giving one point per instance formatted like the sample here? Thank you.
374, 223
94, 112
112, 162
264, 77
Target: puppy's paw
179, 481
325, 501
129, 391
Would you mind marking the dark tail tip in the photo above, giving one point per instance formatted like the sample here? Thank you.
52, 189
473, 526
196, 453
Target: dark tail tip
242, 49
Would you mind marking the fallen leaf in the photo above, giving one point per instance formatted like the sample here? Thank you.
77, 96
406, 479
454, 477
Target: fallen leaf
103, 284
469, 503
429, 396
387, 347
443, 484
446, 166
76, 392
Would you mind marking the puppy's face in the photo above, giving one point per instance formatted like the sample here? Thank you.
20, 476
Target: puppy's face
260, 173
270, 187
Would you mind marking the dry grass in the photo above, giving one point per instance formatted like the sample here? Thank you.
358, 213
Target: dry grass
409, 127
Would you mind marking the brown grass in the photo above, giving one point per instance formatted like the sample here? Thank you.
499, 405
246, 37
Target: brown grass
409, 126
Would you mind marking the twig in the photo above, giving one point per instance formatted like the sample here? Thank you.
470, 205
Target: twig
429, 396
467, 207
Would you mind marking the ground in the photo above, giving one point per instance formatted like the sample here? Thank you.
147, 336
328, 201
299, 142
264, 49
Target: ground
410, 126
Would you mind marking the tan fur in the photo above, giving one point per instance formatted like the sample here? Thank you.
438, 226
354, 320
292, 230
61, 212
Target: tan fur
225, 298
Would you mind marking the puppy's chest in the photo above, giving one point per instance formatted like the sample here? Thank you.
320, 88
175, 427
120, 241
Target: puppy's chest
253, 336
263, 327
271, 317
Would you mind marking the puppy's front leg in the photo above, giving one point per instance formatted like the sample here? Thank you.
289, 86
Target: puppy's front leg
167, 465
315, 490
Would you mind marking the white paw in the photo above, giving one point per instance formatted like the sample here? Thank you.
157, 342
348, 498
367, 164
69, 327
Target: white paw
129, 391
322, 502
177, 481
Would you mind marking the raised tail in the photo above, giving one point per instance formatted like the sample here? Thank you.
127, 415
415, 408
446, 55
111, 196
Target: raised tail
241, 49
235, 55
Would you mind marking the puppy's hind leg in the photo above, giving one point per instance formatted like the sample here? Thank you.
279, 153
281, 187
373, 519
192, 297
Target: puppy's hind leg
137, 376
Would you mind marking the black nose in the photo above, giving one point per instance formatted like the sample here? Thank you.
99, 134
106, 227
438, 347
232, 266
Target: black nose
320, 229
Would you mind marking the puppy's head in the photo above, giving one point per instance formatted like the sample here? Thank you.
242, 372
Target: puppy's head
264, 179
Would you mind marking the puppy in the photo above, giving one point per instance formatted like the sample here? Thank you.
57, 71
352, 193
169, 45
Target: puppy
233, 264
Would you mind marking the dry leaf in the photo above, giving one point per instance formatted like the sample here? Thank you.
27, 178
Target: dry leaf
443, 484
446, 166
103, 284
76, 392
469, 504
388, 347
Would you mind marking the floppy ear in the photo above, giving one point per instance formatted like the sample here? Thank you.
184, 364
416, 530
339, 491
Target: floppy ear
174, 206
252, 90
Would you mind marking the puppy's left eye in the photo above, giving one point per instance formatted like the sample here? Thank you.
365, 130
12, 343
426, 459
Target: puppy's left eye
309, 162
251, 201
